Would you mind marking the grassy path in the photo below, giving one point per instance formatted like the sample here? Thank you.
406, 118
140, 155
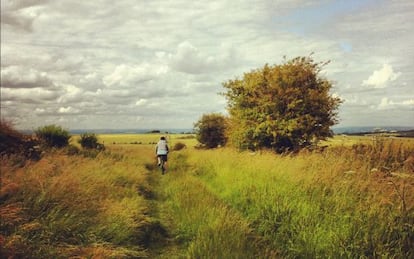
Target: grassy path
198, 223
223, 204
211, 204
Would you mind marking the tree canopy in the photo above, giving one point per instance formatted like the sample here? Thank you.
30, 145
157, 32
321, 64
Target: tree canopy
211, 130
282, 107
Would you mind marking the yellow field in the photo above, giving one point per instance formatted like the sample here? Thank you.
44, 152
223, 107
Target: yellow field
141, 139
352, 140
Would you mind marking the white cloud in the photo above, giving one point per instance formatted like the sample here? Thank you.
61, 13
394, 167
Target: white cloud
23, 77
29, 95
189, 59
141, 102
20, 14
385, 103
129, 75
68, 110
40, 110
380, 78
70, 94
164, 61
409, 103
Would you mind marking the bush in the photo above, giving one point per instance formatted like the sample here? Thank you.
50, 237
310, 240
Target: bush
14, 143
9, 138
53, 136
88, 140
211, 130
72, 150
179, 146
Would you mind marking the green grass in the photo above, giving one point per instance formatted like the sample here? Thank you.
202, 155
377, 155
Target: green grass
353, 200
316, 205
203, 225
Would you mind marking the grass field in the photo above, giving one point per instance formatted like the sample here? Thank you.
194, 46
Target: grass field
355, 199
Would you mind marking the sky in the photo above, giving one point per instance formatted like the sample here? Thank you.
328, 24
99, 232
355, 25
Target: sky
135, 64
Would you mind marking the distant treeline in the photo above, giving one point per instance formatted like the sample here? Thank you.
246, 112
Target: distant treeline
122, 131
392, 133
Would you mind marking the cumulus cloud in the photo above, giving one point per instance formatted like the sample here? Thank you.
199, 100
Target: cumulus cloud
24, 77
70, 94
20, 14
387, 103
128, 75
189, 59
141, 102
68, 110
381, 77
29, 95
409, 103
39, 110
164, 61
18, 21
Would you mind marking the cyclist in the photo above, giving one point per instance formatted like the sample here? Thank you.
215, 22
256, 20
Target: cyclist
162, 150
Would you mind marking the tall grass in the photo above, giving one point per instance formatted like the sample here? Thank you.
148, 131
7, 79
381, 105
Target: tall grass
340, 203
203, 225
349, 201
65, 206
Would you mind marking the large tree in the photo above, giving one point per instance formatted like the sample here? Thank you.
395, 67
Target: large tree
283, 107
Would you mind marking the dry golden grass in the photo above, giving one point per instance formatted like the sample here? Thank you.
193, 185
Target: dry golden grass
354, 198
71, 201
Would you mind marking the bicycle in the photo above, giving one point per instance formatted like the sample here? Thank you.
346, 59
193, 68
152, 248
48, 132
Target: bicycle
162, 160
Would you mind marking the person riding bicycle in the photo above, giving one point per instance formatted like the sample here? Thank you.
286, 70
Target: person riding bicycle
162, 150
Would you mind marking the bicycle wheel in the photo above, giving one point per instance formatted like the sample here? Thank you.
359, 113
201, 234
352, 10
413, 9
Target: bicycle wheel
162, 169
162, 166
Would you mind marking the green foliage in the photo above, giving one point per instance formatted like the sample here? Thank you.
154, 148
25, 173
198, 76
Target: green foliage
211, 129
283, 107
88, 140
72, 150
53, 136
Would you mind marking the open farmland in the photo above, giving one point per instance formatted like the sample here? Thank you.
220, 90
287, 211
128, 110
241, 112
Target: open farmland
353, 199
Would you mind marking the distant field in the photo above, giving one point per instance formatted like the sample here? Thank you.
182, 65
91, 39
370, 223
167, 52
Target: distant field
347, 140
190, 141
142, 139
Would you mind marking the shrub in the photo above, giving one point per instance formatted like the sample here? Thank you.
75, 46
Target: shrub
9, 138
178, 146
53, 136
211, 130
89, 153
14, 143
88, 140
72, 150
